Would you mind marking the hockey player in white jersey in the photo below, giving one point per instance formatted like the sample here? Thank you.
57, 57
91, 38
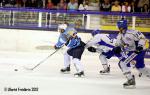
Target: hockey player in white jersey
105, 44
132, 41
68, 36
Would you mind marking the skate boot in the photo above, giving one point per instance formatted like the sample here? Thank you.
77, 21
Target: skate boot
79, 74
65, 70
140, 74
130, 83
105, 71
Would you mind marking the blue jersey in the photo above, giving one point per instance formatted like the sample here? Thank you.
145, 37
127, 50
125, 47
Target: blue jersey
64, 37
74, 42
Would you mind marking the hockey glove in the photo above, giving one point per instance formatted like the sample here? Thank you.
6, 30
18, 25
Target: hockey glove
117, 50
91, 49
56, 47
138, 49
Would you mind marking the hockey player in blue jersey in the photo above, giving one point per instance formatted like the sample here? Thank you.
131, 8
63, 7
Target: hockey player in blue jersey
68, 36
131, 41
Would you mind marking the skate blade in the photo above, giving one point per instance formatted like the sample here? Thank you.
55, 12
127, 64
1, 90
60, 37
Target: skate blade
65, 72
104, 73
76, 76
129, 87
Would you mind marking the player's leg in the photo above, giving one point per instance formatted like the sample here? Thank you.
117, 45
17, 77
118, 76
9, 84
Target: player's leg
140, 66
79, 67
104, 63
66, 68
127, 73
104, 56
76, 54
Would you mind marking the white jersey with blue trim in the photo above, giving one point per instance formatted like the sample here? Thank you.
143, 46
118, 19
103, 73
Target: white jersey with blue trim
131, 39
102, 41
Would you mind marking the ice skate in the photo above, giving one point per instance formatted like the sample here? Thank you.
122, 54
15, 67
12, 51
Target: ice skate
144, 72
140, 75
79, 74
130, 83
105, 71
65, 70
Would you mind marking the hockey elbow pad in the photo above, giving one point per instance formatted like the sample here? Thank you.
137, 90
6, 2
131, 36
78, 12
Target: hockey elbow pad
91, 49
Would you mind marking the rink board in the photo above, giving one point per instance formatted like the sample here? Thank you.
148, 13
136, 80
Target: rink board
35, 40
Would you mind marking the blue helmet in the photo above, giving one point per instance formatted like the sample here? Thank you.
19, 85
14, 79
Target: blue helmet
122, 24
95, 32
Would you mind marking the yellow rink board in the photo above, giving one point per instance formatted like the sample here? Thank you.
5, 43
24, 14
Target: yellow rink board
114, 28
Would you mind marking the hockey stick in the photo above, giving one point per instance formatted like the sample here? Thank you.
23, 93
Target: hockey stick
130, 58
41, 61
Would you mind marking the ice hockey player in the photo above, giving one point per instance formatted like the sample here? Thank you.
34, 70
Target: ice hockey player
68, 36
132, 41
103, 44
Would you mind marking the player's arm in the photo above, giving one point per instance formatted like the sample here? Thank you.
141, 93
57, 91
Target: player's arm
93, 41
119, 41
61, 41
141, 41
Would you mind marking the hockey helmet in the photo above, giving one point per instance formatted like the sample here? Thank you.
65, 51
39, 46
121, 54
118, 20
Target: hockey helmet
95, 32
62, 26
122, 24
72, 32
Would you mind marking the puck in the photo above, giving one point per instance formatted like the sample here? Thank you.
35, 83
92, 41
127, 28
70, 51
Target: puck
15, 69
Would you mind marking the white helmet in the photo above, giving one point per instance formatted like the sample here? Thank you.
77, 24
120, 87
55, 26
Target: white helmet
62, 26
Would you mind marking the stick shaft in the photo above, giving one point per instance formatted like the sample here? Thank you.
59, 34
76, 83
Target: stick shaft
43, 60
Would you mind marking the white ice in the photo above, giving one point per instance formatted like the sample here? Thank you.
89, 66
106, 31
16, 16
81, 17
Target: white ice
48, 79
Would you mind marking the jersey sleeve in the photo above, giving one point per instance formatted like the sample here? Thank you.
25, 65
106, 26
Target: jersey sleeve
119, 41
61, 40
93, 41
141, 38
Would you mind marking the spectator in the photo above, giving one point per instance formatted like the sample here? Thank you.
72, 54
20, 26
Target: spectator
145, 8
116, 7
141, 4
39, 3
105, 6
31, 3
49, 4
12, 3
84, 5
126, 7
62, 5
72, 5
133, 6
20, 3
80, 2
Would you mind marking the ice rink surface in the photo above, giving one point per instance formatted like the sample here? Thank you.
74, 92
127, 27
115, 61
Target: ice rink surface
47, 79
25, 48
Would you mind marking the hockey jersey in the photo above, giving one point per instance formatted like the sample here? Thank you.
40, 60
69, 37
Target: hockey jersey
131, 39
64, 37
102, 41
